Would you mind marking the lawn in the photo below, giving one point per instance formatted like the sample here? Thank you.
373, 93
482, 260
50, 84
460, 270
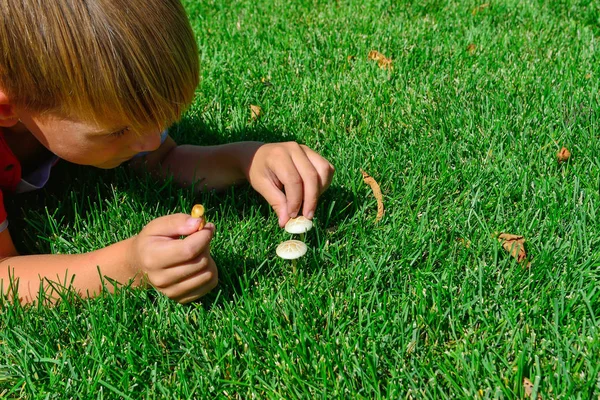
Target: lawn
461, 133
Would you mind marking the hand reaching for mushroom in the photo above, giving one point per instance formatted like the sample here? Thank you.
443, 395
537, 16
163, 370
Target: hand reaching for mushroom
289, 176
183, 270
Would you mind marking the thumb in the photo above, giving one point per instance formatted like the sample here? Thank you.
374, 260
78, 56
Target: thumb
276, 198
173, 225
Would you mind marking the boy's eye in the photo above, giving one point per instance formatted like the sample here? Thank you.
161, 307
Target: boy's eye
120, 133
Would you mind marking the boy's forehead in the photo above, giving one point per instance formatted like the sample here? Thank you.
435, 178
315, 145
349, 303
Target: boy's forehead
89, 126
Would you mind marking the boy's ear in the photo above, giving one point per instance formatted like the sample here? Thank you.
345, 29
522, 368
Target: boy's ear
8, 117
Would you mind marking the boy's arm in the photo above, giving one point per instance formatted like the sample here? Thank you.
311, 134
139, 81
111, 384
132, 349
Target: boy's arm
289, 176
78, 270
181, 269
209, 167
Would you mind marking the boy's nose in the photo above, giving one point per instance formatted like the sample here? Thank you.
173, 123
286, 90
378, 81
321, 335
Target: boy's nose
148, 142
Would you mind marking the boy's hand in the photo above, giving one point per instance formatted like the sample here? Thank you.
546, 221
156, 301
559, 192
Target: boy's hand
183, 270
288, 176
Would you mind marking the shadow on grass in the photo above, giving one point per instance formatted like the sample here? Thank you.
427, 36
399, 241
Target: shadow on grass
200, 132
56, 198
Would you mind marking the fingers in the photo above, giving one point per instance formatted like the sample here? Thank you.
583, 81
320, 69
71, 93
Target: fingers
308, 175
173, 226
196, 285
271, 191
170, 276
174, 252
298, 170
324, 168
182, 269
180, 251
291, 178
310, 185
286, 169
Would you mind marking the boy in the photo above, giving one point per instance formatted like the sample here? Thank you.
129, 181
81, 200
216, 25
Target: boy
96, 82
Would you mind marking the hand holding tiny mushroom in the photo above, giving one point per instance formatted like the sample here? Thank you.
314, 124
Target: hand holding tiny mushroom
182, 269
302, 172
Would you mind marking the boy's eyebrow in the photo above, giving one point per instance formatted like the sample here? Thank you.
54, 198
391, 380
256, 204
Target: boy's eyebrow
108, 131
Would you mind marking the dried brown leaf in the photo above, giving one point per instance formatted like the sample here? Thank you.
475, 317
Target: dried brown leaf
464, 242
515, 245
383, 61
376, 192
266, 82
528, 387
255, 112
480, 8
374, 55
471, 48
563, 155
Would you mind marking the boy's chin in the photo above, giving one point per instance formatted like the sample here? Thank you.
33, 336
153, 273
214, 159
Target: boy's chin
111, 164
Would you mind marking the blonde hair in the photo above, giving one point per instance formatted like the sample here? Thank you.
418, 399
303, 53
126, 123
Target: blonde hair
135, 60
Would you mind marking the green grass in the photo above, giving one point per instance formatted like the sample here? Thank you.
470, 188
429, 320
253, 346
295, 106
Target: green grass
463, 145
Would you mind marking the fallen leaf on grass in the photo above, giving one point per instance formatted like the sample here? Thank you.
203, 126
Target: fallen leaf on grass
266, 82
376, 192
480, 8
515, 245
466, 243
383, 61
255, 112
471, 48
563, 155
528, 386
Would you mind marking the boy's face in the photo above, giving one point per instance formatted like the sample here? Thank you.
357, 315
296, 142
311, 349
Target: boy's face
85, 143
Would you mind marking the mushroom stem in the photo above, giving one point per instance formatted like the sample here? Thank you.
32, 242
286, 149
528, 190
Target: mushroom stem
302, 236
294, 266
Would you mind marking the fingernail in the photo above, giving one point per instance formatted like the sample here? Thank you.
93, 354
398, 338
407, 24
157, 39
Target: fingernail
193, 222
310, 214
293, 215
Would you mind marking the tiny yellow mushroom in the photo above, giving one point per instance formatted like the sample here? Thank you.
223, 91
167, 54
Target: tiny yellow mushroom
198, 212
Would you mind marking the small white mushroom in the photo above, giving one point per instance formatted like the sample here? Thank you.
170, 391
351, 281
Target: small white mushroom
298, 225
291, 249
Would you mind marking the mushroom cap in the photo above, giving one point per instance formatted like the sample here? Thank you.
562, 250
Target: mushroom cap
298, 225
291, 249
198, 211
